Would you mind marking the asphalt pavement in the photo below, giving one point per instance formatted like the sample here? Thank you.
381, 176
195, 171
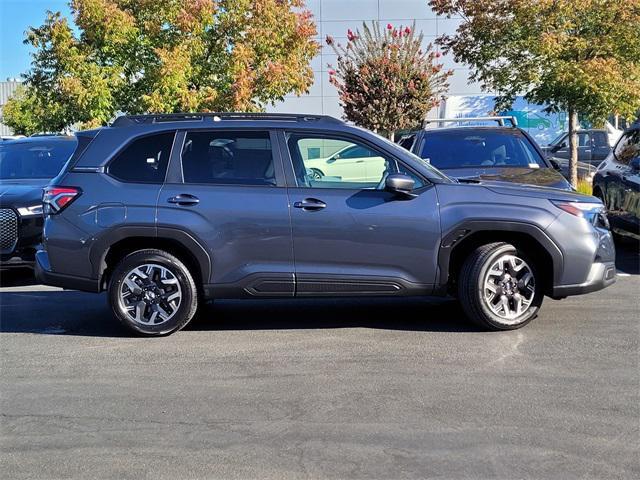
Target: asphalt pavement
321, 389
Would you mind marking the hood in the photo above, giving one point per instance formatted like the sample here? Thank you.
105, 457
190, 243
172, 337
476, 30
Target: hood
541, 177
510, 189
22, 192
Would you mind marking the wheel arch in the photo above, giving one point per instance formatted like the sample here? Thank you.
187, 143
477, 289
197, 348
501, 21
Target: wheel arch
108, 251
465, 237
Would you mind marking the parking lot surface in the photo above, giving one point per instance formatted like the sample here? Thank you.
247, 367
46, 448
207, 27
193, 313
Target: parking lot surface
321, 389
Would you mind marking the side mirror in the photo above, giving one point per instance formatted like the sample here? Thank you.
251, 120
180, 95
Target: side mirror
554, 163
400, 184
634, 164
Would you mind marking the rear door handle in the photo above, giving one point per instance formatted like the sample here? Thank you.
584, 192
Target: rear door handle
184, 199
310, 204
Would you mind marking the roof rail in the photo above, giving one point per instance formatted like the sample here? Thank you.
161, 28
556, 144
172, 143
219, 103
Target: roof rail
126, 120
499, 119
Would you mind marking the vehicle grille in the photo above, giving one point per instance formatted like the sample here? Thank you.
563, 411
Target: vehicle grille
8, 230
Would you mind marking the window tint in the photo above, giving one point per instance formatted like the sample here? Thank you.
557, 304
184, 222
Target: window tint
600, 139
628, 147
228, 158
34, 159
341, 164
584, 140
145, 160
407, 141
480, 148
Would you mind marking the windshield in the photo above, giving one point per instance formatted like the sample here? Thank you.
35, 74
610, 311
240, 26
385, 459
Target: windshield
403, 152
558, 139
39, 159
480, 149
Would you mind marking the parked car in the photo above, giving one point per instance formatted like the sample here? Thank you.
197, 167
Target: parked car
499, 153
345, 164
26, 166
166, 211
617, 184
593, 147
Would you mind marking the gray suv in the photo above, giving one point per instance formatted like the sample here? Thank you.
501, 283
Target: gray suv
166, 211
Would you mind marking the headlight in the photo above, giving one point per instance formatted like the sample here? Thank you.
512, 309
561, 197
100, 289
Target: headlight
33, 211
594, 212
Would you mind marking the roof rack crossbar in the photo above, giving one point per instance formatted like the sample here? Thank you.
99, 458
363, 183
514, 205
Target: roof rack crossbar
125, 120
499, 119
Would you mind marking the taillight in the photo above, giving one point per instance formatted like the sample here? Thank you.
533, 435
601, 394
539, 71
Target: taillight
56, 199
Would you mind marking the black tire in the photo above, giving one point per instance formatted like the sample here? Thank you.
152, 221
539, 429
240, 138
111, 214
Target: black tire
471, 291
180, 316
316, 174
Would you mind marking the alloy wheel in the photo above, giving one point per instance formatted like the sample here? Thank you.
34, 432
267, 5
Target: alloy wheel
150, 294
509, 288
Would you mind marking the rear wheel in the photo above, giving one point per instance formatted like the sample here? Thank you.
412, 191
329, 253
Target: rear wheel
499, 287
152, 292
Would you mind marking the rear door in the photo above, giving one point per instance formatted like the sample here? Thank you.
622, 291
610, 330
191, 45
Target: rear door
226, 188
352, 237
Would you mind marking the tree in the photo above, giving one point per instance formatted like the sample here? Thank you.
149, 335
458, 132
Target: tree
578, 56
385, 80
164, 56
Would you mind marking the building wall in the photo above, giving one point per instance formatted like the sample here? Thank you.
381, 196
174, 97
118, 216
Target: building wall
6, 90
334, 17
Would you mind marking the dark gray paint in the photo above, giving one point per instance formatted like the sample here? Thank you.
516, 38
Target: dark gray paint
253, 241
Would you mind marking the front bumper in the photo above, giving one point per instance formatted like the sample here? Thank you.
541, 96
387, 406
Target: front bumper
600, 276
45, 275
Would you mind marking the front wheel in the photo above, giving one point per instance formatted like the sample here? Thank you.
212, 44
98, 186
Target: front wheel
152, 293
499, 287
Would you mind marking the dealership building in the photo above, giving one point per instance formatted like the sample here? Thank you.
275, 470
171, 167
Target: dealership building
335, 17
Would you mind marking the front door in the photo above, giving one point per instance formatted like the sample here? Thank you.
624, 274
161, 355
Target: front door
352, 237
226, 189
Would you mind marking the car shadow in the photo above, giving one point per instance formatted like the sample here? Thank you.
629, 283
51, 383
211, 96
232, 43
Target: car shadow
16, 277
59, 312
628, 256
28, 308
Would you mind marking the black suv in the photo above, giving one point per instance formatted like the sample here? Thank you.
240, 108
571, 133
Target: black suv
26, 167
617, 184
165, 210
473, 150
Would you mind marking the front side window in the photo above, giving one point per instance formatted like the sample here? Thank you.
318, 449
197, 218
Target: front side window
228, 158
334, 162
628, 148
145, 160
480, 149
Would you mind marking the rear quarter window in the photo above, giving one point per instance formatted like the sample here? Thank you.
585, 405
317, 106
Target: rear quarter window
145, 160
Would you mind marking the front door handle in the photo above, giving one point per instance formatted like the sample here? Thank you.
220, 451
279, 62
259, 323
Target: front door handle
184, 199
310, 204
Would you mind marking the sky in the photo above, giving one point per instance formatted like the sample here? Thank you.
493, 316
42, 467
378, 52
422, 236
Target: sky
16, 16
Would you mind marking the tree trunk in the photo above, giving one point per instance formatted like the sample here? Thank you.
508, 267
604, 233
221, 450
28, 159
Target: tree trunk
392, 135
573, 147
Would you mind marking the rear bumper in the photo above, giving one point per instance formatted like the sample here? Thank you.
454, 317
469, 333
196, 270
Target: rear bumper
600, 276
46, 276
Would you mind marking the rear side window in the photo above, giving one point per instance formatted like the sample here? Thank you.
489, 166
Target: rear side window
480, 148
145, 160
600, 139
228, 158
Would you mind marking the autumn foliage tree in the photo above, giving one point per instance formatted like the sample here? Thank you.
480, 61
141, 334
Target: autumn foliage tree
386, 79
577, 56
163, 56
